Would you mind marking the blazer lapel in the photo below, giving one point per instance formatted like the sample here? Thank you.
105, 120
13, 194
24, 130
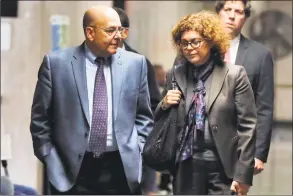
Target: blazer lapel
218, 77
79, 72
242, 50
180, 76
117, 80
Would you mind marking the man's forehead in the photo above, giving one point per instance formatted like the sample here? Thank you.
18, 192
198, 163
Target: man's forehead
112, 19
109, 21
234, 4
113, 23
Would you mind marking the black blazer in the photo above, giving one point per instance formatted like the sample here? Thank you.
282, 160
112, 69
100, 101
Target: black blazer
259, 66
155, 94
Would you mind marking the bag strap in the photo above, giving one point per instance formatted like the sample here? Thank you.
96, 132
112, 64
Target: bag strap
173, 80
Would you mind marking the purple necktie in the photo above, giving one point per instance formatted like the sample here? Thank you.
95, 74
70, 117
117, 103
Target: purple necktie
98, 136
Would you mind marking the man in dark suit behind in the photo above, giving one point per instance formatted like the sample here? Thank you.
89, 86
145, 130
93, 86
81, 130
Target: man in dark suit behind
91, 112
148, 175
258, 63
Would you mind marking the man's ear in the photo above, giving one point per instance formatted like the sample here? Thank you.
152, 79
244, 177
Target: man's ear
89, 33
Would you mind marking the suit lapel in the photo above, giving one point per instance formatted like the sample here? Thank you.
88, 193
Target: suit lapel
241, 52
218, 77
117, 79
79, 72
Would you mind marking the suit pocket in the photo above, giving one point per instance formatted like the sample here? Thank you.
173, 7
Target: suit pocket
55, 171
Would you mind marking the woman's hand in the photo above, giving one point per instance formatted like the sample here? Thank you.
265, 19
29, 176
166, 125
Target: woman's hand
172, 98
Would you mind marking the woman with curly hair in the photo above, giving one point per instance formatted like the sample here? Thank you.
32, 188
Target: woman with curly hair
216, 111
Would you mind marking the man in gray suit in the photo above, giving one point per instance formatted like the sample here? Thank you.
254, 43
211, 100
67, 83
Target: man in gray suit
91, 112
258, 63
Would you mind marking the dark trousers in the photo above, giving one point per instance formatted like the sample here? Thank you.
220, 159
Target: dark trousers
100, 176
148, 181
165, 180
199, 177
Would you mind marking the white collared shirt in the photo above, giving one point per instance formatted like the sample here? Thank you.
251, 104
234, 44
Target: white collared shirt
234, 45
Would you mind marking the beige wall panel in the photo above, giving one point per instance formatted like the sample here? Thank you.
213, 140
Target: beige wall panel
283, 104
18, 72
151, 25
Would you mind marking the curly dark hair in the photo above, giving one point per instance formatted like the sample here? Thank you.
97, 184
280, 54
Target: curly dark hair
247, 9
208, 25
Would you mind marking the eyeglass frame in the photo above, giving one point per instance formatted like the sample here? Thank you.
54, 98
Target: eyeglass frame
114, 32
190, 43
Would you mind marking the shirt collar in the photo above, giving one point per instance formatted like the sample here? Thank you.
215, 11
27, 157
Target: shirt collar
89, 55
123, 46
235, 39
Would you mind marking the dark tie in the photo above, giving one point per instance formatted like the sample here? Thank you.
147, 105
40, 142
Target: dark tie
98, 136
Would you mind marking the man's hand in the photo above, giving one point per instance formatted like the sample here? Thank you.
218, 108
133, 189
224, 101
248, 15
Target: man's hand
239, 188
258, 166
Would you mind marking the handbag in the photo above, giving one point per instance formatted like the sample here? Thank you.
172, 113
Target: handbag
159, 151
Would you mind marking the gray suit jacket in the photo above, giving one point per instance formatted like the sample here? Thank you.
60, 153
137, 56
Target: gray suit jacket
231, 117
258, 63
60, 114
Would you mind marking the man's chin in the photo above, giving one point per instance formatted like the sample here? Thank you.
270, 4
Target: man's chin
229, 31
113, 51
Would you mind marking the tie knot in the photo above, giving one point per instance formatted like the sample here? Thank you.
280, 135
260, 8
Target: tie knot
100, 60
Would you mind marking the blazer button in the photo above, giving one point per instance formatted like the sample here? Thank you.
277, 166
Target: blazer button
79, 155
215, 128
86, 134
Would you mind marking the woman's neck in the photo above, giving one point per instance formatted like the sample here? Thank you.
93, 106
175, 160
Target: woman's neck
199, 66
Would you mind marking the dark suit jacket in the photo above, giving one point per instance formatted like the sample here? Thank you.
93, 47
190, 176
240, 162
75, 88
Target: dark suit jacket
259, 66
231, 117
155, 94
60, 115
258, 63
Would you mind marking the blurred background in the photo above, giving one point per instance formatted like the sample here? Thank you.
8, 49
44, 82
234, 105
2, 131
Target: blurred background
29, 29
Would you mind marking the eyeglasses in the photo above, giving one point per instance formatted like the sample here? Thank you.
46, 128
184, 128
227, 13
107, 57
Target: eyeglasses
194, 43
113, 30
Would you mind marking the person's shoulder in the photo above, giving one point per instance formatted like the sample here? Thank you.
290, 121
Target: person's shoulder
66, 52
255, 46
128, 48
60, 57
233, 69
131, 55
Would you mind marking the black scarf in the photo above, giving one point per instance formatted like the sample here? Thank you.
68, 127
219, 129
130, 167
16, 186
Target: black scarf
195, 119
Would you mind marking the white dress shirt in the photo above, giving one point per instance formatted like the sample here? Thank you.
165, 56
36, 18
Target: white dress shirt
91, 69
234, 45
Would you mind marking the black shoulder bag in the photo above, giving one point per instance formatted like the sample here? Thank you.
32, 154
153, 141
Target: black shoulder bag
159, 151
